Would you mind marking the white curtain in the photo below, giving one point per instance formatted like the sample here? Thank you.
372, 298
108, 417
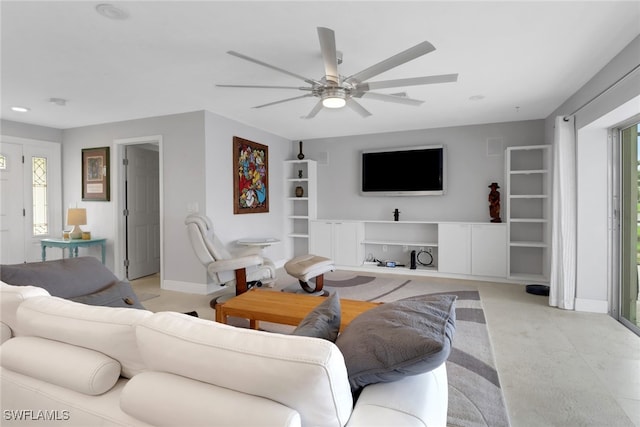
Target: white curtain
563, 235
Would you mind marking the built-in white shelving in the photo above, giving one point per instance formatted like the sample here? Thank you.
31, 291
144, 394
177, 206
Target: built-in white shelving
299, 210
528, 191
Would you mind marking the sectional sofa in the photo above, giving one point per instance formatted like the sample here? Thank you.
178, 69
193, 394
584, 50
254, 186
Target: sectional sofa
71, 364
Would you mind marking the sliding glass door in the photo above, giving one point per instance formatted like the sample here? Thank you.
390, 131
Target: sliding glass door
629, 227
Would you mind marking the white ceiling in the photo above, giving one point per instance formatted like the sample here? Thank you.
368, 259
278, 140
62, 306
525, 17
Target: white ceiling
524, 58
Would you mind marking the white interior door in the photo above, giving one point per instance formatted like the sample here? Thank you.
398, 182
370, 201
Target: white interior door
12, 228
143, 206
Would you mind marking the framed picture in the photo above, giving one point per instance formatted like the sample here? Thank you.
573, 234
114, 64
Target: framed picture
95, 174
250, 177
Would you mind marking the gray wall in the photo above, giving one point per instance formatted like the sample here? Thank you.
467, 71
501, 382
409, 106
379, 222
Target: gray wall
184, 169
24, 130
619, 66
469, 171
197, 172
219, 184
593, 157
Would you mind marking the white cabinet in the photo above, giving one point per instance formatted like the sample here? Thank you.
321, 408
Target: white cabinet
454, 248
476, 249
300, 203
338, 240
528, 173
395, 240
458, 248
321, 238
489, 250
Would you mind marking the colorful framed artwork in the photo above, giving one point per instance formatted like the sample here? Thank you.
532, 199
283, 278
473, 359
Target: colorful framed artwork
250, 177
95, 174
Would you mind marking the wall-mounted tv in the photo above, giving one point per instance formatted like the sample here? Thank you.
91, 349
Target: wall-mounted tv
407, 171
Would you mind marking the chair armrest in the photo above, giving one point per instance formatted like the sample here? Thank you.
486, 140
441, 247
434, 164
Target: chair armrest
234, 264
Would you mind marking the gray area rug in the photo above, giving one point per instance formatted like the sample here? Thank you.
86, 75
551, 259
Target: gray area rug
475, 395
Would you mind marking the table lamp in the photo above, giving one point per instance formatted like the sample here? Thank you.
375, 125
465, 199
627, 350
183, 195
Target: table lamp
76, 217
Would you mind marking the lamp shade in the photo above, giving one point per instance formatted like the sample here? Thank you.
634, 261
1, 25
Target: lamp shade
76, 216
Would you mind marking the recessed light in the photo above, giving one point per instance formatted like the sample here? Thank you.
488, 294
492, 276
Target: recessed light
112, 12
19, 109
476, 98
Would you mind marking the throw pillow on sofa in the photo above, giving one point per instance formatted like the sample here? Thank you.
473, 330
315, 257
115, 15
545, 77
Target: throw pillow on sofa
405, 337
64, 278
323, 321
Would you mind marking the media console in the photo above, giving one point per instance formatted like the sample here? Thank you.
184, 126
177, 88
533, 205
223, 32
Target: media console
475, 250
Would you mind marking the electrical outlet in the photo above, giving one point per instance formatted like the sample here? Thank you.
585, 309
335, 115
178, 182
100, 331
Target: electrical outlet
429, 250
405, 248
384, 248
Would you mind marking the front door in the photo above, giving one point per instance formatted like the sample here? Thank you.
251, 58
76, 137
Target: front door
30, 198
12, 229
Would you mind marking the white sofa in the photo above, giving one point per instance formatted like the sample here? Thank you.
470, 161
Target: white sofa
78, 365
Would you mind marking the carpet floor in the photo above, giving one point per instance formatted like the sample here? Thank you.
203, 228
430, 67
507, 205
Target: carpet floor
475, 394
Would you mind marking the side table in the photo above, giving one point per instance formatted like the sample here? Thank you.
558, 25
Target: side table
72, 245
261, 242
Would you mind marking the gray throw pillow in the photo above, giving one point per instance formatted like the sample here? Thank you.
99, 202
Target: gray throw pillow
323, 321
393, 340
64, 278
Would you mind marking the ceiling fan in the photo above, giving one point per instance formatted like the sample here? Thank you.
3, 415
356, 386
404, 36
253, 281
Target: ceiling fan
336, 91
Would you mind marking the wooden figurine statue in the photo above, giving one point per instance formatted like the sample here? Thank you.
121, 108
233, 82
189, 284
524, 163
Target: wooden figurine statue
494, 202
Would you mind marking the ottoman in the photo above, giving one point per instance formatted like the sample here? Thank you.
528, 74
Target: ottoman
306, 267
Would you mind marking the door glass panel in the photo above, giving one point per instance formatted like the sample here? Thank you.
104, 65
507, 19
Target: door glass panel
40, 206
630, 226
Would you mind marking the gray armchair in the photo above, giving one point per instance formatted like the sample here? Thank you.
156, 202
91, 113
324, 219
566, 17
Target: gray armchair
225, 268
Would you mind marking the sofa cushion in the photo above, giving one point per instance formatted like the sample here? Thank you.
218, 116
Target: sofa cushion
108, 330
405, 337
163, 399
305, 374
119, 294
323, 321
65, 278
76, 368
11, 297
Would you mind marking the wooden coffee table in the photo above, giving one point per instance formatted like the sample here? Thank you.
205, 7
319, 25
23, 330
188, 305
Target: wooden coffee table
283, 307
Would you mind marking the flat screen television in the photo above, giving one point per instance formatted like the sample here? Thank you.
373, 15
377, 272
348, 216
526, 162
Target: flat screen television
407, 171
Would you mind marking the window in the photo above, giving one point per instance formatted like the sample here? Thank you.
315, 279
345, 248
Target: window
40, 206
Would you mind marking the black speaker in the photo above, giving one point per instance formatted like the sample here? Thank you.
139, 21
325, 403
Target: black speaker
413, 260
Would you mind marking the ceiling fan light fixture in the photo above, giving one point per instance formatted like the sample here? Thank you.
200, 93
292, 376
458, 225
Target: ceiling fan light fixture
334, 98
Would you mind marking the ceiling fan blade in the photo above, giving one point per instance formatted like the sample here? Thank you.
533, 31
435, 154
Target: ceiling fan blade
392, 98
315, 110
266, 87
444, 78
283, 100
355, 106
389, 63
273, 67
329, 56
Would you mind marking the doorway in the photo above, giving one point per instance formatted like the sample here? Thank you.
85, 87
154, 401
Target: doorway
30, 198
138, 250
629, 302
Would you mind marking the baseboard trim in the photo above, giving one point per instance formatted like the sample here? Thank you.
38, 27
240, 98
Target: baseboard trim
591, 305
